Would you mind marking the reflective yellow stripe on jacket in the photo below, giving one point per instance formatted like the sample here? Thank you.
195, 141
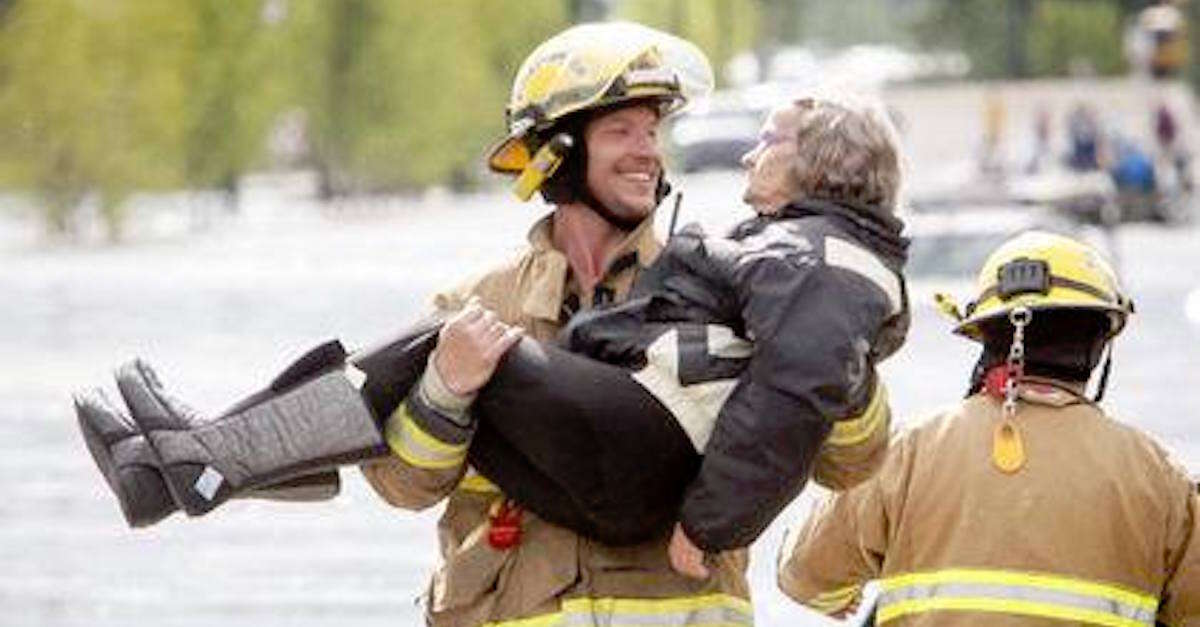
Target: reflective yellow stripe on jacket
475, 482
835, 601
415, 446
713, 610
860, 428
1011, 592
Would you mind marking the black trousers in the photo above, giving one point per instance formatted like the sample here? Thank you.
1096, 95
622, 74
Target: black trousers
574, 440
581, 444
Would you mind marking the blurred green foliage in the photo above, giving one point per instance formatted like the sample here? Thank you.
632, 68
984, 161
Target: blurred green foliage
99, 99
977, 27
102, 98
405, 94
90, 104
849, 22
721, 28
1066, 33
1025, 38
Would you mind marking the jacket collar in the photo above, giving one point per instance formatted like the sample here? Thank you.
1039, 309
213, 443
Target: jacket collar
550, 271
1052, 392
877, 227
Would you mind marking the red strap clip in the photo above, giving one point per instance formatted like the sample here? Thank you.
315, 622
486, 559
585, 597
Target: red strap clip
995, 381
504, 525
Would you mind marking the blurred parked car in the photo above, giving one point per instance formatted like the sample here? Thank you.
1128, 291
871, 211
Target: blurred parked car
947, 248
714, 134
952, 245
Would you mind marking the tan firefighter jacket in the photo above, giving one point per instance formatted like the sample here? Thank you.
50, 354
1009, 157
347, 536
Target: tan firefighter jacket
1098, 526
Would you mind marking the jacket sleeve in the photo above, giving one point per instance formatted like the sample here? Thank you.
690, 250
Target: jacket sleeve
825, 562
428, 435
1181, 596
857, 445
813, 327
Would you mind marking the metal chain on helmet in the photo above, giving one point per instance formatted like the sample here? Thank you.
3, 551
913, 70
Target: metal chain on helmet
1020, 318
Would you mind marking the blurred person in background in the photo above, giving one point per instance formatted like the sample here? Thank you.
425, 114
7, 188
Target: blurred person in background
1164, 29
1084, 139
1026, 503
1173, 161
1041, 150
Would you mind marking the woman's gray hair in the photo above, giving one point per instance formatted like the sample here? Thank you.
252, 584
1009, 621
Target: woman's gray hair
847, 151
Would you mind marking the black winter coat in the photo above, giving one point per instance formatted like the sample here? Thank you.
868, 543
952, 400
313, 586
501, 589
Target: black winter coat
818, 290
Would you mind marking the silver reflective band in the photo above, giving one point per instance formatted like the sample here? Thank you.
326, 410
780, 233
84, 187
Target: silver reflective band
1008, 592
715, 611
650, 76
208, 483
412, 444
710, 610
713, 616
695, 407
723, 343
842, 254
355, 376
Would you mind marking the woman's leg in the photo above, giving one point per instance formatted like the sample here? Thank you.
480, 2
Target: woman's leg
588, 429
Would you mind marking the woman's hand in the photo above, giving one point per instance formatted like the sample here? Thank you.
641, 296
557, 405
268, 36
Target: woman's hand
686, 558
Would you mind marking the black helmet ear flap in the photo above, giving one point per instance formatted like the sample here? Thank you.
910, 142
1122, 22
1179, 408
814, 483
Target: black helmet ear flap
662, 190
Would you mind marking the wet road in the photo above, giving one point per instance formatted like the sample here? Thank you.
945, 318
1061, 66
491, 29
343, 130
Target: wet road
221, 310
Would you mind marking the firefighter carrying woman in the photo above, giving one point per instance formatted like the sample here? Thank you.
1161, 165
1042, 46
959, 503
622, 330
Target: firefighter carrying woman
610, 421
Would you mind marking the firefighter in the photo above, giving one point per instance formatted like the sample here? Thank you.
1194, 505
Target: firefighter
1163, 27
1025, 503
582, 121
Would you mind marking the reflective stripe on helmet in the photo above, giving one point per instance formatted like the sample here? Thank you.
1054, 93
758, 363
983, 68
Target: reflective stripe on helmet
1056, 281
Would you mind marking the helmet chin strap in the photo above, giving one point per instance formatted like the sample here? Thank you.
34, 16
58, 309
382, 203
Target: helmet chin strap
622, 223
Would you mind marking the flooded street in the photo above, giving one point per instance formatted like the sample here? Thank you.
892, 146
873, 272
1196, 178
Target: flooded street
220, 311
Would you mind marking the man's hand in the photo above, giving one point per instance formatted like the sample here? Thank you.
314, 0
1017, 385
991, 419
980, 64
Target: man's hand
470, 346
686, 558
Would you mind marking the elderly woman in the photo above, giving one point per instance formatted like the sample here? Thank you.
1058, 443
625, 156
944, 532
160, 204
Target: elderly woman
741, 366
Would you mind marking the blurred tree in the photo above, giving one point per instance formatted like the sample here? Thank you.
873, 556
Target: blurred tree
586, 10
847, 22
974, 26
86, 109
228, 107
1025, 38
401, 95
1067, 36
721, 28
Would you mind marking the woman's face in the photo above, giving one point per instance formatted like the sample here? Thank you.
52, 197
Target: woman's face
769, 164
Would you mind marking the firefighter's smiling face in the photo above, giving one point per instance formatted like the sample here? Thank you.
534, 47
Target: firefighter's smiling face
769, 184
624, 161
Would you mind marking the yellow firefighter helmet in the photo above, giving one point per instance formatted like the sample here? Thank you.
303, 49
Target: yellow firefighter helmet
590, 66
1040, 271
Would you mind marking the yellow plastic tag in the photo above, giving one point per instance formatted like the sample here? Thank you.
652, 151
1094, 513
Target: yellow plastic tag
1008, 452
545, 161
946, 304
